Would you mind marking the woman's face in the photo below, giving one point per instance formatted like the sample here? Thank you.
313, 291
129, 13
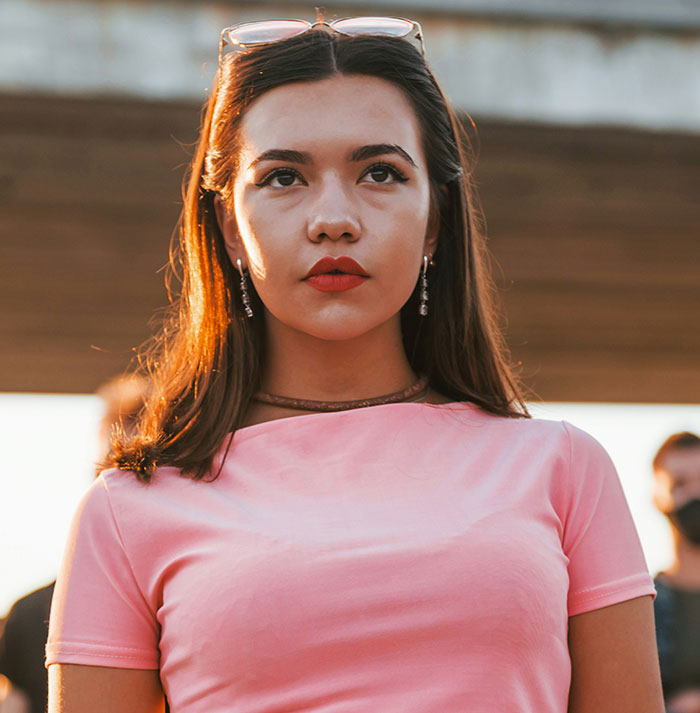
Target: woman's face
331, 168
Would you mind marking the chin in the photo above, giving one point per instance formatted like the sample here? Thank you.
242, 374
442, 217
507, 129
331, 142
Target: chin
336, 334
338, 324
336, 330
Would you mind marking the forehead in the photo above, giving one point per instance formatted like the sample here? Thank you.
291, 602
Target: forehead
352, 110
683, 462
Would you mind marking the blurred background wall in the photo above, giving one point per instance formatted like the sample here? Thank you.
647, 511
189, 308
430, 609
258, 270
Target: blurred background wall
588, 166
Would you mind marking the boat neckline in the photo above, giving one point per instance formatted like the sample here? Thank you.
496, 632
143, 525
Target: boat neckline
248, 431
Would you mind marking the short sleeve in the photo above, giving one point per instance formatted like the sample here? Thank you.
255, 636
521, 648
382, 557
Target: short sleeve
99, 615
606, 563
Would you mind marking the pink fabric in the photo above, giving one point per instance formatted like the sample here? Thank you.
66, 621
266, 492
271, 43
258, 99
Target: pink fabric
403, 558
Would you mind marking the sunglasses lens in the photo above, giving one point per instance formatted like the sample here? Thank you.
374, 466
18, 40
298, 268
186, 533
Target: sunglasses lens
252, 33
394, 26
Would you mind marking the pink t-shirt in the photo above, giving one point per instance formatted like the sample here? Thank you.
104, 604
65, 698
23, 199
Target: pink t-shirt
404, 558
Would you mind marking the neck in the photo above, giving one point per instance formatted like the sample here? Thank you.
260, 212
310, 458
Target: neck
684, 570
305, 367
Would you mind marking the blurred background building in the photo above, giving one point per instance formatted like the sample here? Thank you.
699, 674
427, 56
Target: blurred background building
588, 164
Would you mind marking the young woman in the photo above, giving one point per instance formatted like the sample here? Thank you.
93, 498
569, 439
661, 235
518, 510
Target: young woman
336, 501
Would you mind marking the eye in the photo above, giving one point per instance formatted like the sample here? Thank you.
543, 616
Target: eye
282, 178
384, 173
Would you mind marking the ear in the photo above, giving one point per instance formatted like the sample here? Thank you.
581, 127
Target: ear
431, 234
227, 225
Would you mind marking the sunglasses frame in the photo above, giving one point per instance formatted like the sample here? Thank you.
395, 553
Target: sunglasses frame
414, 33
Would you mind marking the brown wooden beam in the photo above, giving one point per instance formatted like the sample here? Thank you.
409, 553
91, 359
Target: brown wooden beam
594, 234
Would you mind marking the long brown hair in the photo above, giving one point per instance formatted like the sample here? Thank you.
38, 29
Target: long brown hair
205, 364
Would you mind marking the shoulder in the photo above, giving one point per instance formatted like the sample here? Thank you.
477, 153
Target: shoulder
530, 448
118, 483
117, 502
570, 458
467, 427
571, 442
537, 433
149, 514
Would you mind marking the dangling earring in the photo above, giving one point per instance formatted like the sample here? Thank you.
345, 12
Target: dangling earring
423, 309
245, 297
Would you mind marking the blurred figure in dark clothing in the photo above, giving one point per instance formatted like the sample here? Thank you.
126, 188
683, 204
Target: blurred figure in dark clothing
23, 641
677, 605
22, 646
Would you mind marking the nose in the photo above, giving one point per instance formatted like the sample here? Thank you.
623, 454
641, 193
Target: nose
333, 214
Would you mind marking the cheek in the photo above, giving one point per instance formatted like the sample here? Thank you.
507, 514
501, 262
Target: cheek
270, 262
256, 230
662, 495
399, 259
408, 228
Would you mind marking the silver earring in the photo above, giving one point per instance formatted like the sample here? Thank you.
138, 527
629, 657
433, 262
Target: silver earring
423, 309
245, 297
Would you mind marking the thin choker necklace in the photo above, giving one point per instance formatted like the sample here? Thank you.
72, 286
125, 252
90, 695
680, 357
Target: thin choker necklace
417, 391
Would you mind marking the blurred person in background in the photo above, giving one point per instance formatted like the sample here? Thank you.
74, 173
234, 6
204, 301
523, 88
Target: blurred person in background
12, 700
23, 636
22, 650
677, 606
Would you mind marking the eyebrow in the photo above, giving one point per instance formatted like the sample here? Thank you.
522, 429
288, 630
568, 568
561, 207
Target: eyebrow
372, 150
282, 155
360, 154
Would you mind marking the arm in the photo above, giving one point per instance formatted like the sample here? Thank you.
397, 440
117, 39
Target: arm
76, 688
615, 666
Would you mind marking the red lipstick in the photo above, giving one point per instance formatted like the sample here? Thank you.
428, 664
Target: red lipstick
336, 274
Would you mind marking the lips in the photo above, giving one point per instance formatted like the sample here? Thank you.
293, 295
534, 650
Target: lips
336, 274
331, 265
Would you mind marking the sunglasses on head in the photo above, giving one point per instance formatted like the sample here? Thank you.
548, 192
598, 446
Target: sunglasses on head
264, 32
